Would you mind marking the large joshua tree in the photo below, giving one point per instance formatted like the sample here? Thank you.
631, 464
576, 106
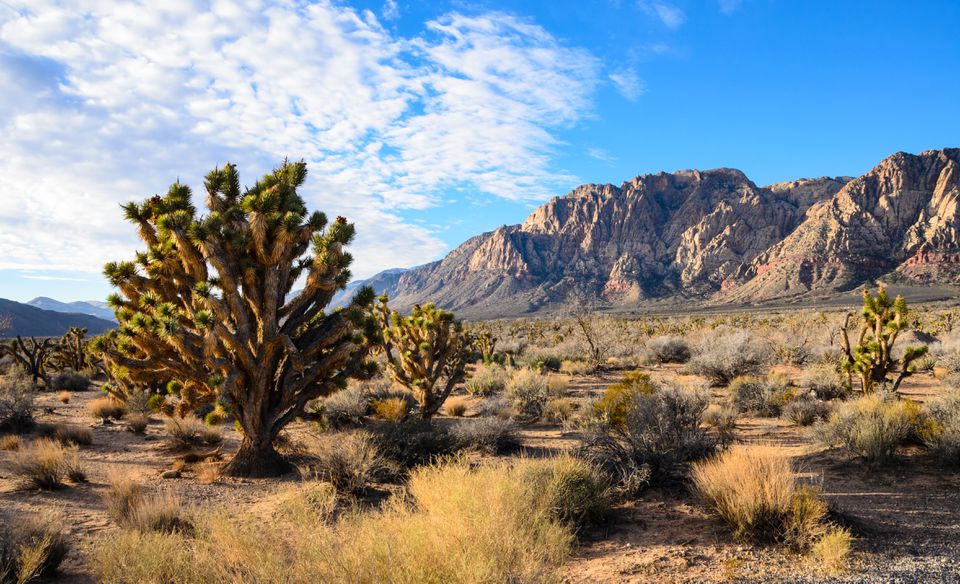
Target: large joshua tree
206, 310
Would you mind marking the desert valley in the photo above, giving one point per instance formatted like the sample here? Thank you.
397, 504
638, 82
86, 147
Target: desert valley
290, 292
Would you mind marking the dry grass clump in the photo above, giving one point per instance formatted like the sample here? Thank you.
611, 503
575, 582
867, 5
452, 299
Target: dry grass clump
832, 549
34, 548
105, 408
314, 500
723, 420
487, 380
393, 409
576, 367
130, 507
667, 349
871, 427
456, 407
491, 435
345, 408
64, 397
559, 410
349, 461
10, 442
67, 434
457, 524
727, 356
44, 464
189, 432
17, 393
754, 490
137, 423
571, 489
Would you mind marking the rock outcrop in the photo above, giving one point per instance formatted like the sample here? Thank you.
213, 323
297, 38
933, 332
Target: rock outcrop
708, 235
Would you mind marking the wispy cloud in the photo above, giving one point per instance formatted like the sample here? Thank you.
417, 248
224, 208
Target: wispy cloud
54, 278
729, 6
601, 155
628, 83
390, 10
671, 16
112, 101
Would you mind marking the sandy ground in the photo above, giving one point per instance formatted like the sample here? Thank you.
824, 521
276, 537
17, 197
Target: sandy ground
907, 518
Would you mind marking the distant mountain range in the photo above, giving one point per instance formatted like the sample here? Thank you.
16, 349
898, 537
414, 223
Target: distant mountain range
707, 237
91, 307
30, 321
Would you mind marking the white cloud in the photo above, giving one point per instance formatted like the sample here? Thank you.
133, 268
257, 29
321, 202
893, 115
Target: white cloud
729, 6
628, 83
601, 155
109, 101
670, 15
390, 10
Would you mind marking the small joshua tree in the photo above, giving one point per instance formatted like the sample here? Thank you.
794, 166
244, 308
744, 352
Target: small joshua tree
71, 350
486, 344
31, 354
871, 358
207, 310
426, 352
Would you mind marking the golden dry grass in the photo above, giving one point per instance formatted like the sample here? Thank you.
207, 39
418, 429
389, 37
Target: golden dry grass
44, 464
456, 407
104, 408
64, 397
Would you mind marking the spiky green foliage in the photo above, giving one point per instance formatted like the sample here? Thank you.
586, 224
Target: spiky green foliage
486, 344
426, 352
72, 350
206, 312
871, 358
32, 354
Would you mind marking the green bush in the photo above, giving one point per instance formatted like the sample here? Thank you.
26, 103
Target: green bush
871, 427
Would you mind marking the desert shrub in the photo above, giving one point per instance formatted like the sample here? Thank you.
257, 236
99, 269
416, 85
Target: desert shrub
137, 423
350, 463
942, 434
761, 396
413, 443
490, 435
666, 349
925, 364
72, 467
569, 488
104, 408
723, 421
950, 360
619, 397
17, 393
543, 362
64, 397
42, 464
825, 382
727, 356
189, 432
576, 367
455, 406
660, 430
314, 500
529, 393
139, 402
755, 492
458, 524
871, 427
792, 352
499, 406
804, 412
215, 417
34, 547
833, 548
346, 407
66, 434
10, 442
394, 409
486, 380
132, 508
156, 403
69, 381
558, 410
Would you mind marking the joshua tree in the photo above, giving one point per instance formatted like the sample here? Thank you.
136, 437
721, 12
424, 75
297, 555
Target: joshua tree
872, 357
486, 343
31, 354
426, 352
207, 309
71, 350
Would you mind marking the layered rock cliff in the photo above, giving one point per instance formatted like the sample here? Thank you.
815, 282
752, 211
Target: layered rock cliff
710, 235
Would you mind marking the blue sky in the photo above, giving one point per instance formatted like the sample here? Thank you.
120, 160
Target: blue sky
429, 122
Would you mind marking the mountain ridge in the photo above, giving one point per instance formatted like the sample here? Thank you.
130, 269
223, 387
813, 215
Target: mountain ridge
710, 236
30, 321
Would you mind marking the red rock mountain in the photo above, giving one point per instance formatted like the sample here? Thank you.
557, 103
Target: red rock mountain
706, 235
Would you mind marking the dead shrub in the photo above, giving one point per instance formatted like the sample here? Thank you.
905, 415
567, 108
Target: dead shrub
42, 464
105, 408
727, 356
17, 393
137, 423
66, 434
132, 508
666, 349
350, 462
189, 432
490, 435
33, 548
456, 407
